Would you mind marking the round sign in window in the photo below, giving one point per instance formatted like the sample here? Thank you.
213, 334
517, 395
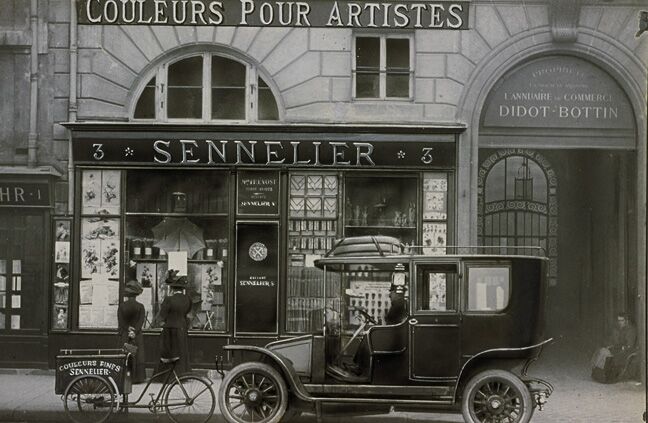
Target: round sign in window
258, 251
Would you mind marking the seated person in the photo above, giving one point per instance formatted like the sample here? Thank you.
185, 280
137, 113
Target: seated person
396, 314
614, 362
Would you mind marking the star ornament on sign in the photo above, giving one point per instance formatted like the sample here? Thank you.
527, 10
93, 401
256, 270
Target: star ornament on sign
129, 152
400, 154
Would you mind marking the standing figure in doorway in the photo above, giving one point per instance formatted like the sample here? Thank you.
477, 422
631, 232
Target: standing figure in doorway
130, 318
173, 312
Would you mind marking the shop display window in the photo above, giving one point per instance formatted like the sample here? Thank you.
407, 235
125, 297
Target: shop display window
435, 213
381, 206
100, 235
61, 276
312, 229
179, 213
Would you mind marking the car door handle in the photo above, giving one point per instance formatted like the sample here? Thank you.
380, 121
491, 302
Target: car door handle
413, 321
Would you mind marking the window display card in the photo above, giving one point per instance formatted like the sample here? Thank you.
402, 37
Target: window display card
3, 283
17, 283
99, 294
90, 252
85, 293
146, 275
96, 317
110, 257
110, 316
84, 315
178, 261
91, 191
15, 301
110, 191
15, 322
62, 252
17, 267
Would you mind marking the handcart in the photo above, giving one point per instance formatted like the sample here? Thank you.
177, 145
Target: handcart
94, 383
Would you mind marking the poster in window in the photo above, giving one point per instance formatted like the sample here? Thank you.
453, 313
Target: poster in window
91, 191
62, 231
435, 204
257, 275
146, 274
110, 191
258, 193
434, 237
62, 252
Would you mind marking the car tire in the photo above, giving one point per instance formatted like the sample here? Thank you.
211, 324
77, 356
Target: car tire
496, 395
253, 392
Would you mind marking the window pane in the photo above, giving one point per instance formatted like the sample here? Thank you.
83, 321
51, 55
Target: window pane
367, 52
186, 72
228, 103
145, 108
267, 104
185, 89
367, 85
488, 288
227, 72
398, 85
184, 103
152, 191
398, 53
435, 291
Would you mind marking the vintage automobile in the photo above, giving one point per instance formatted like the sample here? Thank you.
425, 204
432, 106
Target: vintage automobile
472, 327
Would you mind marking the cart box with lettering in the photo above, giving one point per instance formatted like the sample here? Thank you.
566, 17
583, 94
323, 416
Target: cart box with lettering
111, 364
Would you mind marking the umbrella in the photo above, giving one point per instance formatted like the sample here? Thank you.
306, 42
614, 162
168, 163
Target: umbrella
178, 234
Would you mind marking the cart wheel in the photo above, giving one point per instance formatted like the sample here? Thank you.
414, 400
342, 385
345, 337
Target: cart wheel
496, 396
191, 400
89, 399
253, 392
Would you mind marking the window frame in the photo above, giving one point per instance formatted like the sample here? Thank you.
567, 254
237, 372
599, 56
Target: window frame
160, 73
466, 284
382, 70
425, 266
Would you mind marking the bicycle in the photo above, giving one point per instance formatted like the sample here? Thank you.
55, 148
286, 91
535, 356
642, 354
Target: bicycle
94, 395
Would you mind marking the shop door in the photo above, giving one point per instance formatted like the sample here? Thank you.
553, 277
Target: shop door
23, 295
434, 322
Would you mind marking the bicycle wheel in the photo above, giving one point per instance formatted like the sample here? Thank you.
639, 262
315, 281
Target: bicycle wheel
191, 400
89, 399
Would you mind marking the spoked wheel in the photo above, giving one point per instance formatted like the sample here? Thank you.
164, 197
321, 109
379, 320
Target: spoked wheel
253, 392
191, 400
496, 396
89, 399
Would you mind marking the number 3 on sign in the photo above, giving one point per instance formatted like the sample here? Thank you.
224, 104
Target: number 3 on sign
98, 153
427, 155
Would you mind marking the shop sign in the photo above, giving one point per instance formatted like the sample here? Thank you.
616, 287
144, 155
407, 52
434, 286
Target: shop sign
314, 13
218, 151
558, 92
110, 367
257, 276
21, 194
258, 193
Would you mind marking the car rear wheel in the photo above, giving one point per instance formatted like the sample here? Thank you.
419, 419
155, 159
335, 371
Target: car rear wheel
496, 396
253, 392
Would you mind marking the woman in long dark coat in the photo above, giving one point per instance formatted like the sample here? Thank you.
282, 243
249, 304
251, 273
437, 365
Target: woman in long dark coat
173, 312
130, 317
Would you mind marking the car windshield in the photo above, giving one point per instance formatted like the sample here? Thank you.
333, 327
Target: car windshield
360, 286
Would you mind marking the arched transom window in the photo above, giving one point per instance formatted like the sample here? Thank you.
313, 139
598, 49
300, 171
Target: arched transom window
206, 87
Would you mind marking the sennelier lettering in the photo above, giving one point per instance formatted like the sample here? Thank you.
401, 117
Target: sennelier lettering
308, 154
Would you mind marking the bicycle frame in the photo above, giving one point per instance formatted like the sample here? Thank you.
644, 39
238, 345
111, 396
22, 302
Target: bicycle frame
156, 403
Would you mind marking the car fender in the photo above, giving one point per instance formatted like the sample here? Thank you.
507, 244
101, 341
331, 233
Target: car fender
494, 353
295, 384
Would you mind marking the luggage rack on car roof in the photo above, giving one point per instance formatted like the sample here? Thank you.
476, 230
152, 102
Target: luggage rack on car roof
381, 245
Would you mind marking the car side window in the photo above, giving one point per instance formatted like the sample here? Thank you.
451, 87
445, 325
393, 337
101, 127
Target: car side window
489, 288
435, 290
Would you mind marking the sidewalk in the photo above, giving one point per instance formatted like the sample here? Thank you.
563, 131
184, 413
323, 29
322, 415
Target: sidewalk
27, 396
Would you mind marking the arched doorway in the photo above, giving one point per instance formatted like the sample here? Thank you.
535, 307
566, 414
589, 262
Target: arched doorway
517, 204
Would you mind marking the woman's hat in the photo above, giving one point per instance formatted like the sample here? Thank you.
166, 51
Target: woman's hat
175, 281
133, 288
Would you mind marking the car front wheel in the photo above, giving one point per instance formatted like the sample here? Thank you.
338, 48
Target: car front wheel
496, 396
253, 392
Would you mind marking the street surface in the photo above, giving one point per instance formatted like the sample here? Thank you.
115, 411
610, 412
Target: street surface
29, 396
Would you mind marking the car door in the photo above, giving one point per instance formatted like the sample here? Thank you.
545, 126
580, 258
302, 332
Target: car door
434, 328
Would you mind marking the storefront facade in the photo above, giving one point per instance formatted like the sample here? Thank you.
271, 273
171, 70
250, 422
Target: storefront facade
270, 133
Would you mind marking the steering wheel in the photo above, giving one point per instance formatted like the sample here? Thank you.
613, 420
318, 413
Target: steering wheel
366, 316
